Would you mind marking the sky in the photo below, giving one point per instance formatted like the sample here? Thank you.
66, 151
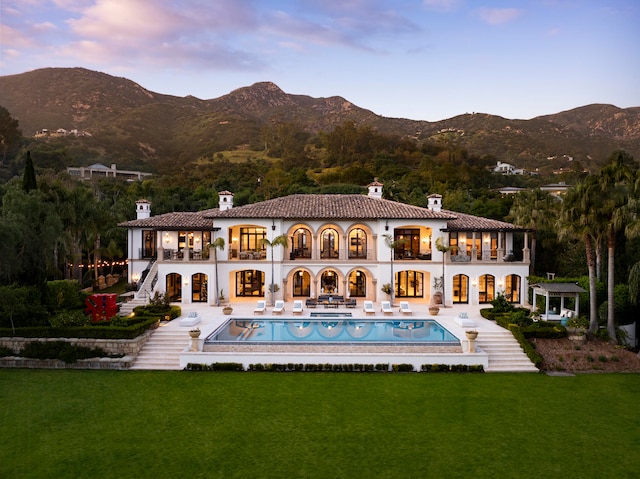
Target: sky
417, 59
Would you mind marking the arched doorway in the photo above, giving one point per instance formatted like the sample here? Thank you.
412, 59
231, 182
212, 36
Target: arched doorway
486, 288
329, 244
512, 288
329, 282
174, 287
301, 283
199, 284
460, 288
357, 284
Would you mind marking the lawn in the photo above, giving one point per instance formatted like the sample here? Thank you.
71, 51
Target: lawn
134, 424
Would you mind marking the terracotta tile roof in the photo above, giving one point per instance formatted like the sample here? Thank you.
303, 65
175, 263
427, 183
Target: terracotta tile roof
465, 222
337, 207
320, 207
173, 221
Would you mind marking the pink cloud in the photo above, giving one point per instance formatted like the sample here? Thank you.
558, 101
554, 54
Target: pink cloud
498, 16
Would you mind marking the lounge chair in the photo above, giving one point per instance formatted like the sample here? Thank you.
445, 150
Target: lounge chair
260, 307
368, 307
278, 308
297, 307
405, 309
385, 307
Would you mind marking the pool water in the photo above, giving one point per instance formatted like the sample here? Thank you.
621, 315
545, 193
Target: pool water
333, 329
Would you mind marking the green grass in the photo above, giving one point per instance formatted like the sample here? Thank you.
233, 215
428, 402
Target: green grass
114, 424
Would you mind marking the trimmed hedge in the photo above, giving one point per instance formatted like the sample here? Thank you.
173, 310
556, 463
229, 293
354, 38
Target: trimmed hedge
93, 332
61, 350
528, 348
357, 367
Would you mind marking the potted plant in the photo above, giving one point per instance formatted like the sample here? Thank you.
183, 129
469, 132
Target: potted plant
194, 333
386, 288
437, 287
577, 328
471, 334
434, 309
227, 310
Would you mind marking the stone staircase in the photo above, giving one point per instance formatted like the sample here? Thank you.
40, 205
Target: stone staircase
126, 308
162, 350
505, 353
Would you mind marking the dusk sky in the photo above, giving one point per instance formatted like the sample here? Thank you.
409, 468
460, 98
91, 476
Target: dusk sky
417, 59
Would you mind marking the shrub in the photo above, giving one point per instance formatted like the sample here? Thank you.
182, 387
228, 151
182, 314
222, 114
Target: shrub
501, 304
61, 350
5, 351
63, 294
65, 319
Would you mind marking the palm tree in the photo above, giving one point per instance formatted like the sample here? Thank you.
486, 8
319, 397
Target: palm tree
217, 244
392, 245
532, 210
615, 180
281, 240
443, 249
578, 219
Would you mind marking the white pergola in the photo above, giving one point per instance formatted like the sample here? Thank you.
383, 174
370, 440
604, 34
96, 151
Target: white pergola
561, 290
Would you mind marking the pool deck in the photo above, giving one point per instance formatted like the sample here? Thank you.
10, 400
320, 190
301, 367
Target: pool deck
211, 317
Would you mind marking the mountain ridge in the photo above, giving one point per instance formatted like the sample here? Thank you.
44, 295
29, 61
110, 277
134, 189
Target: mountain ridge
167, 125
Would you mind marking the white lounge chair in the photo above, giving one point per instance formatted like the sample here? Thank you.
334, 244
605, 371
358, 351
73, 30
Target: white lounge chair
297, 307
278, 308
405, 309
385, 307
260, 307
368, 307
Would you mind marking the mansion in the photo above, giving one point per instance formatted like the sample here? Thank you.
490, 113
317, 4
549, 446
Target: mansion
350, 245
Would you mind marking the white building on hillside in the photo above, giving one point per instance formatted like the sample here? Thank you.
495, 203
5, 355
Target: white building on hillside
336, 244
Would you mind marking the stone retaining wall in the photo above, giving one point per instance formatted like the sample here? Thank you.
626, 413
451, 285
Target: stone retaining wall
126, 347
129, 348
92, 363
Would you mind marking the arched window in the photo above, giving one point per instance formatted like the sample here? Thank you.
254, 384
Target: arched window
486, 288
301, 283
357, 284
461, 288
357, 243
199, 288
329, 282
174, 287
249, 282
301, 244
409, 284
329, 246
512, 288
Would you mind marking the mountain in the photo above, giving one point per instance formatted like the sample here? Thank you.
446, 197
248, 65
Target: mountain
127, 121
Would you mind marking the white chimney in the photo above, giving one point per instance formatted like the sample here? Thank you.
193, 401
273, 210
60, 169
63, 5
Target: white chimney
143, 209
435, 202
226, 200
375, 189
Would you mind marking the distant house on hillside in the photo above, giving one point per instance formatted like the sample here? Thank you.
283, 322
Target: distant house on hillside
556, 189
507, 169
98, 170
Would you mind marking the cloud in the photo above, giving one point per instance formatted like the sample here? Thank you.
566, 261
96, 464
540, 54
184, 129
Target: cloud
442, 5
498, 16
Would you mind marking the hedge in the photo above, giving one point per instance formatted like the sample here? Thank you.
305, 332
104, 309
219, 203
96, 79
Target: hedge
327, 367
93, 332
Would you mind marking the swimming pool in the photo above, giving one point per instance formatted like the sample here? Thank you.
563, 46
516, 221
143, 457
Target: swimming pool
332, 329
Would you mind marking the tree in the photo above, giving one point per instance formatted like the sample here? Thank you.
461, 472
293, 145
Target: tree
615, 181
392, 245
217, 244
280, 240
533, 210
29, 177
579, 219
10, 135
